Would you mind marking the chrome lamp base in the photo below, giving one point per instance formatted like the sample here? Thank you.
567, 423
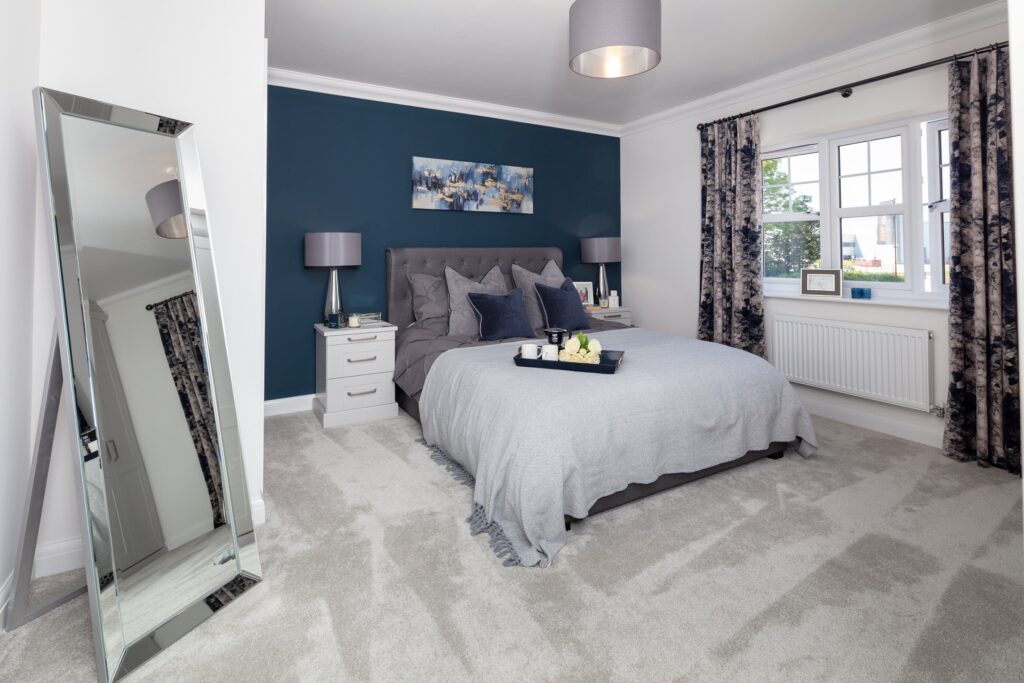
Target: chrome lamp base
332, 304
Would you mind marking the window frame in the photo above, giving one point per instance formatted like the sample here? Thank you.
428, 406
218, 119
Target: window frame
911, 292
798, 216
936, 204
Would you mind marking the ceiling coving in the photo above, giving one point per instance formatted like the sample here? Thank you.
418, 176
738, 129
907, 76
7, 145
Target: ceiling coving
614, 38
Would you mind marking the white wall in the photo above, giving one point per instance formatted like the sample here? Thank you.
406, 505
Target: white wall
199, 61
179, 489
1016, 16
661, 193
19, 52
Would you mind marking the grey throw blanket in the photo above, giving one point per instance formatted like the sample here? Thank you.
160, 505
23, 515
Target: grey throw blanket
421, 343
546, 443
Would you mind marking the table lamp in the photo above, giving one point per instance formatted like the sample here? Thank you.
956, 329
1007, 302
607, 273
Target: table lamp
333, 250
601, 250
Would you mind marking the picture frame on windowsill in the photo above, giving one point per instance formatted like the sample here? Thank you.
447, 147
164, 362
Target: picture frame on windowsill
827, 282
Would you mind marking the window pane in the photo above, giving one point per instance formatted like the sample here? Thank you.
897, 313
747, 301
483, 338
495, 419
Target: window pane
886, 153
776, 199
887, 188
872, 248
790, 246
806, 197
853, 158
853, 191
803, 168
945, 248
944, 146
945, 182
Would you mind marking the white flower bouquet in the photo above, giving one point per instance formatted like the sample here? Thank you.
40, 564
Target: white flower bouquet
581, 349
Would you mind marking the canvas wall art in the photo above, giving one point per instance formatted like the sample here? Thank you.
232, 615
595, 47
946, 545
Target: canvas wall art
449, 185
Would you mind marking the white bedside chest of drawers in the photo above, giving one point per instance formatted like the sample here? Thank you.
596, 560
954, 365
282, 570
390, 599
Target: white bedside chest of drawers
354, 374
616, 315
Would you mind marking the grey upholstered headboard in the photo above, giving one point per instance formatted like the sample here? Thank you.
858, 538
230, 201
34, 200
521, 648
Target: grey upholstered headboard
470, 261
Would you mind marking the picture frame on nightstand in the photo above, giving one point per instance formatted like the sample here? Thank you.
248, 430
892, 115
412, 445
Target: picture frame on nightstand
586, 292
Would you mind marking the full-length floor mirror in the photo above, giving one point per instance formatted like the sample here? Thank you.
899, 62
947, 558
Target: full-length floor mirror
145, 356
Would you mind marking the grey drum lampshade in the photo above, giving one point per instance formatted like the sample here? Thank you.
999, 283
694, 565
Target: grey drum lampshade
333, 249
164, 202
600, 250
614, 38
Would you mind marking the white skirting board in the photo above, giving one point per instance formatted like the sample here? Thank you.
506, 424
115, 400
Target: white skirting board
904, 423
289, 405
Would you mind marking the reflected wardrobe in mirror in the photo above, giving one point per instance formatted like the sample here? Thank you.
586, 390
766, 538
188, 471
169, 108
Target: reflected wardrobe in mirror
144, 352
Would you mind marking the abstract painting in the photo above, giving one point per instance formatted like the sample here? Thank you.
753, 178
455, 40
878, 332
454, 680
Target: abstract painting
471, 186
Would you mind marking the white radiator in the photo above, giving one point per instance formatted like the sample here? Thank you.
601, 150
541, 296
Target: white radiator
889, 364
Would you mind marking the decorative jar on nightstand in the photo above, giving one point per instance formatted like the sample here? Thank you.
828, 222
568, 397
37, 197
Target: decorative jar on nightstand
354, 374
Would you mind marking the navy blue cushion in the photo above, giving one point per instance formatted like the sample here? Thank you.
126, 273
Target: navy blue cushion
501, 316
562, 307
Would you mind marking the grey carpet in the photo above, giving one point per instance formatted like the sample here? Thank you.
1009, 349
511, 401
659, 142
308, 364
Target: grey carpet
878, 559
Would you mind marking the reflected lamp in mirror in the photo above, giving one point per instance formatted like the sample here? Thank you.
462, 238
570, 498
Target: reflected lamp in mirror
601, 250
164, 202
333, 250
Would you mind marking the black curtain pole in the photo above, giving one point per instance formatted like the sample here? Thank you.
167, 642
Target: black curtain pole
847, 90
150, 307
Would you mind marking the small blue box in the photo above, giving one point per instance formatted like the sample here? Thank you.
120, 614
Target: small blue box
860, 292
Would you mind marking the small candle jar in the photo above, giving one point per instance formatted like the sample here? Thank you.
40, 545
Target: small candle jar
353, 320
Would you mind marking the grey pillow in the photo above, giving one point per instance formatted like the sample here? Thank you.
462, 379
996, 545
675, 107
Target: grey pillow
551, 275
462, 321
429, 296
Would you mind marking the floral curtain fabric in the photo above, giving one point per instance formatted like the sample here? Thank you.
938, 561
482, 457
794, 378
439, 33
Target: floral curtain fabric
178, 322
731, 302
983, 406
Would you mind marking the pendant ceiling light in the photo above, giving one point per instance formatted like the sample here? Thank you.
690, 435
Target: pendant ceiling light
164, 203
614, 38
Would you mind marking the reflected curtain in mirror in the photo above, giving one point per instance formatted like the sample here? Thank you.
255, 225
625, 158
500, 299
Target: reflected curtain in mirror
178, 322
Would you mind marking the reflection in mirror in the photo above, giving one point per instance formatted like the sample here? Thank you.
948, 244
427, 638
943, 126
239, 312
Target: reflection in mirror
172, 533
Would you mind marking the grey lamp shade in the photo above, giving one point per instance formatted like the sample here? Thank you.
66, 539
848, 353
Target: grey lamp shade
164, 202
333, 249
600, 250
614, 38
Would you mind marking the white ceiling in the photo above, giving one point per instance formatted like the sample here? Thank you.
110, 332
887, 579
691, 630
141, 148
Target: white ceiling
110, 169
515, 52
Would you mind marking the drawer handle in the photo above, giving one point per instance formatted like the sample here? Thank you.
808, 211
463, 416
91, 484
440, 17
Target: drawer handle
362, 339
612, 317
362, 393
362, 360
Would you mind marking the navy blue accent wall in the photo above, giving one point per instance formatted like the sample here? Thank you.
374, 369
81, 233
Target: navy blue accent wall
343, 164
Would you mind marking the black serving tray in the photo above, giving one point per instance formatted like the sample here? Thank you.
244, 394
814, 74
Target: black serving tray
610, 362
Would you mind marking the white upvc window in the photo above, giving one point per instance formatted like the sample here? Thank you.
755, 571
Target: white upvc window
935, 200
850, 201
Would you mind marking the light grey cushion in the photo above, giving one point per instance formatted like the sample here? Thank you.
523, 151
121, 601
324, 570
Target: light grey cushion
429, 296
551, 275
462, 321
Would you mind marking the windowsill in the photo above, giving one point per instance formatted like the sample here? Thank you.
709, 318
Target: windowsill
934, 303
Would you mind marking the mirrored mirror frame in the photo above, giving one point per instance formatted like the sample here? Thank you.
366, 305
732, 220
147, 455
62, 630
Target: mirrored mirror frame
75, 343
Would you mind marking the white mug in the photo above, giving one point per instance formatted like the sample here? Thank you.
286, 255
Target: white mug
549, 352
531, 351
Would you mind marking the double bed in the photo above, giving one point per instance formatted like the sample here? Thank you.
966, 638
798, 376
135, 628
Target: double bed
544, 447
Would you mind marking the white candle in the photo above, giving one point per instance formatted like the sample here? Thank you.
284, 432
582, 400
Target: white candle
353, 320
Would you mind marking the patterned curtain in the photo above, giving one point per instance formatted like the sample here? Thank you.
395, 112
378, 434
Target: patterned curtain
983, 407
178, 322
731, 303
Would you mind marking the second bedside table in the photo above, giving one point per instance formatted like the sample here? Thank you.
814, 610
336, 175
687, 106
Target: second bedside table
354, 374
616, 315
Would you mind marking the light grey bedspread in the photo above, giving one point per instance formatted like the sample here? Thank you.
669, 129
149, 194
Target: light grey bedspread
543, 443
